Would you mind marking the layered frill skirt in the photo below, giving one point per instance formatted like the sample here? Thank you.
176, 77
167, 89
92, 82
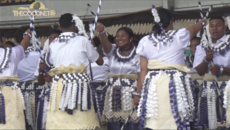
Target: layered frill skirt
167, 100
118, 102
11, 105
213, 102
70, 104
31, 92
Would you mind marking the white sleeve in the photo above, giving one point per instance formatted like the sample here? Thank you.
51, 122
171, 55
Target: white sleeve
91, 52
140, 47
138, 64
111, 52
36, 70
183, 36
106, 63
199, 56
19, 53
39, 60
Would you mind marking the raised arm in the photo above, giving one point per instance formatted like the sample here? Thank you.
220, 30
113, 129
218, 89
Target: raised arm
194, 29
141, 78
107, 46
25, 43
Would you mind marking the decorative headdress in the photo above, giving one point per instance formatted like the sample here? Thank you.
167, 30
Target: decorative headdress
168, 35
227, 17
79, 24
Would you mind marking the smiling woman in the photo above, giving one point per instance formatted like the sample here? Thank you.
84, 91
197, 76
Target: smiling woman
124, 65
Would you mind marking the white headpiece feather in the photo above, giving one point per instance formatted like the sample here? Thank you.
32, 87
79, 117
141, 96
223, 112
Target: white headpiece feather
46, 46
79, 24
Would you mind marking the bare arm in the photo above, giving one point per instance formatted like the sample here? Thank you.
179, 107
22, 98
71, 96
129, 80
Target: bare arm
41, 80
141, 77
107, 46
202, 68
42, 68
26, 41
226, 71
194, 29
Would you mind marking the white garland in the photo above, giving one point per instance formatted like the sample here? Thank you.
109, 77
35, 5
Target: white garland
74, 93
79, 24
226, 104
155, 15
228, 21
190, 96
91, 29
142, 95
16, 101
219, 47
68, 94
182, 101
22, 99
166, 39
127, 98
84, 96
44, 114
53, 93
110, 99
152, 101
125, 57
46, 48
61, 104
79, 92
211, 107
7, 58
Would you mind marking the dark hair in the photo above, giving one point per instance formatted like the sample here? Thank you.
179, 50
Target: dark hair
111, 38
127, 30
10, 43
1, 34
96, 41
217, 17
135, 42
55, 31
196, 38
65, 21
19, 33
165, 18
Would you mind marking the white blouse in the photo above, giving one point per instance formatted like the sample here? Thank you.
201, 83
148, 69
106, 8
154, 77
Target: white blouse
76, 51
118, 67
28, 67
100, 73
17, 55
217, 59
172, 53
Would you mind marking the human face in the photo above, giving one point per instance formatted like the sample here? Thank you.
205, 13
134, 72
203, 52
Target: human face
194, 43
123, 40
52, 37
216, 29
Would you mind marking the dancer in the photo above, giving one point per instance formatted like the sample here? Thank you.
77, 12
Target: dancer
211, 110
166, 100
70, 96
12, 102
47, 64
124, 65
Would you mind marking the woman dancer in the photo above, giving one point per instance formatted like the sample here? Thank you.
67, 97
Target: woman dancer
124, 65
166, 100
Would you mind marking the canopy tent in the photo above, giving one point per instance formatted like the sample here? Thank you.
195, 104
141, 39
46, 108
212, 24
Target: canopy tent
114, 14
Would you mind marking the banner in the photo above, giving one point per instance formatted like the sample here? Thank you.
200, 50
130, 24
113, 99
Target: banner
37, 9
15, 2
